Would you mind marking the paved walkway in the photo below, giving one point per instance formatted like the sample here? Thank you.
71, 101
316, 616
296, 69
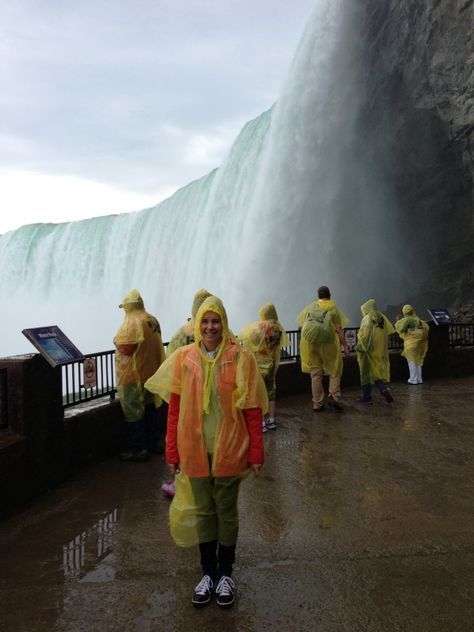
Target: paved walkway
362, 521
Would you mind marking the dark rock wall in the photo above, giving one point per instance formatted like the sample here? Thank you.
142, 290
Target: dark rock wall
419, 114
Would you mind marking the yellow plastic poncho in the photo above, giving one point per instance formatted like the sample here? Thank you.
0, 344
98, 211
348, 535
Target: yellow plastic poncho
265, 339
139, 353
185, 334
372, 344
414, 333
325, 355
221, 388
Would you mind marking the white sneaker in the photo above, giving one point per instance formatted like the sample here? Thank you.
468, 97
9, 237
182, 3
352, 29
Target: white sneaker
271, 423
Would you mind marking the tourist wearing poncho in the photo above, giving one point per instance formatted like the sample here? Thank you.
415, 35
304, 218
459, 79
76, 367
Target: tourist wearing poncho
322, 337
216, 399
372, 352
139, 353
185, 334
265, 339
414, 333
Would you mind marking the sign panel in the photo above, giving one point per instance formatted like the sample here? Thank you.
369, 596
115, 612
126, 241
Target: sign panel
440, 316
53, 345
90, 376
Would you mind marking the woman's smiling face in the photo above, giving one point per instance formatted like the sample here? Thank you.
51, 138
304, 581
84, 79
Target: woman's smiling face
211, 330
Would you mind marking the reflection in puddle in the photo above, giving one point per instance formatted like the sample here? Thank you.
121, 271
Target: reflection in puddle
93, 543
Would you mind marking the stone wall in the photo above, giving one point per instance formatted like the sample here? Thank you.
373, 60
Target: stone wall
419, 112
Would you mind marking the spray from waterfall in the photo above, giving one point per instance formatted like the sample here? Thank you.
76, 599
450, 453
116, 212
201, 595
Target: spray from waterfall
298, 202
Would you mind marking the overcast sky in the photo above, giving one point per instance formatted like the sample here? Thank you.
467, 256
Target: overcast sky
111, 105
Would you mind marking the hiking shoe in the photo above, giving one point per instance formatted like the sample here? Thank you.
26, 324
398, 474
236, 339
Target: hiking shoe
137, 456
203, 592
387, 395
367, 402
335, 405
167, 488
225, 592
271, 424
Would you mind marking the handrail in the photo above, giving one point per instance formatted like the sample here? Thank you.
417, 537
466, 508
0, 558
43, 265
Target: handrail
74, 391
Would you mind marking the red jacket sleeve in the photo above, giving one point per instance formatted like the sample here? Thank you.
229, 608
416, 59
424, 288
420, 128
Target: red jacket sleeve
172, 456
253, 419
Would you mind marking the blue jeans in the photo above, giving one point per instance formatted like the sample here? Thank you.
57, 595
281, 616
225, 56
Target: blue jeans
367, 389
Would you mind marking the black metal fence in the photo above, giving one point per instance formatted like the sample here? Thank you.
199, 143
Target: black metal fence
89, 379
75, 391
461, 335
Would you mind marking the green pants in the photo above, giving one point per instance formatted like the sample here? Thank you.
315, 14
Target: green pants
216, 502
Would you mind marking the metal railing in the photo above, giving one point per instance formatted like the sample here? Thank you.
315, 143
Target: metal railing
76, 391
461, 334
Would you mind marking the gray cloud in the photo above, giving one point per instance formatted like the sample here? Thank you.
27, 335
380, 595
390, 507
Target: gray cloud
123, 91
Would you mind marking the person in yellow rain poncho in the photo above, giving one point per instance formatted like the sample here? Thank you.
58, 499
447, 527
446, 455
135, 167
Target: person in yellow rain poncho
139, 353
265, 338
216, 399
185, 334
372, 352
322, 336
414, 333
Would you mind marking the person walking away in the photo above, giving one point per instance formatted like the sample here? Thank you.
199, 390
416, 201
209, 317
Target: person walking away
414, 333
322, 336
372, 352
265, 339
214, 438
139, 353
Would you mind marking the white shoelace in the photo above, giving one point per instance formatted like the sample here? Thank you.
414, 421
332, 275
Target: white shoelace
225, 586
204, 586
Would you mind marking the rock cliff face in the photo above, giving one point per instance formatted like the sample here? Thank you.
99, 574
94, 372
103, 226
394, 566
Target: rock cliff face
419, 112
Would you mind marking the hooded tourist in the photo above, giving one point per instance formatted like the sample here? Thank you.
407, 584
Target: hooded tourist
139, 354
372, 352
185, 334
414, 333
265, 338
214, 438
322, 336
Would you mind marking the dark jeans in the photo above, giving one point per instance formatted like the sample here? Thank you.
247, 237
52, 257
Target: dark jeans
216, 560
367, 389
147, 433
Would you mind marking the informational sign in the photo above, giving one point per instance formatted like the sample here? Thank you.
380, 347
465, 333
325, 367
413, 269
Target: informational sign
53, 345
440, 316
90, 375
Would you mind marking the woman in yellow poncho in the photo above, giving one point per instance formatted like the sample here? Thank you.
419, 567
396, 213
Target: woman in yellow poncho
322, 336
265, 338
185, 334
139, 353
372, 352
216, 399
414, 333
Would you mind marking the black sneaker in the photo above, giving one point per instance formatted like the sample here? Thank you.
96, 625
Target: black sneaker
137, 456
387, 395
203, 592
318, 410
335, 405
225, 592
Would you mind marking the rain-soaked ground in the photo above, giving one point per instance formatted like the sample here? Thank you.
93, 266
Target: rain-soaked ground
362, 521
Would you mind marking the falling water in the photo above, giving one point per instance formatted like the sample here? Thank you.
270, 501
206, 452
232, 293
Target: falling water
297, 203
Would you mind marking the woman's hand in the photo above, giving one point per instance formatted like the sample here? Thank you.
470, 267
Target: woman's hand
256, 467
174, 468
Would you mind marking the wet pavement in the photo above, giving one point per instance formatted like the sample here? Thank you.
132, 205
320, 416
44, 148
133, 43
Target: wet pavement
361, 521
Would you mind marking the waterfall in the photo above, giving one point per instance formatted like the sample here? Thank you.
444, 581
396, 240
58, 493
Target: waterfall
298, 202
